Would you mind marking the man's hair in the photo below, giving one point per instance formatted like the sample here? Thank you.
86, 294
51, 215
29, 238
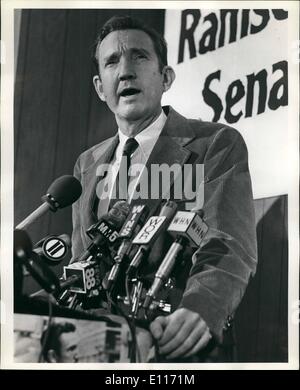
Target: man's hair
117, 23
50, 338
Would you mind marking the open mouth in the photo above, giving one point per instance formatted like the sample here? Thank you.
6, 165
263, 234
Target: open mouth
129, 92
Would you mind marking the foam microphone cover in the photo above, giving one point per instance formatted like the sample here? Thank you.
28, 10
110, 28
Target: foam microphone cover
118, 213
65, 190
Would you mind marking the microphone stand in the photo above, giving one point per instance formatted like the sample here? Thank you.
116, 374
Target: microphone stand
42, 209
74, 301
136, 297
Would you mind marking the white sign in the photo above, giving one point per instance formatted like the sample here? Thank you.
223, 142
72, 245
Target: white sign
231, 67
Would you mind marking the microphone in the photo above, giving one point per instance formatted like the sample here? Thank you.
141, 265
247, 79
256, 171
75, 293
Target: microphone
131, 227
22, 245
39, 271
105, 231
81, 277
154, 227
62, 192
53, 249
189, 228
84, 270
22, 251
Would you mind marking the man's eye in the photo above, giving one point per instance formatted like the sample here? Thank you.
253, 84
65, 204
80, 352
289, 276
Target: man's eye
111, 62
139, 56
72, 348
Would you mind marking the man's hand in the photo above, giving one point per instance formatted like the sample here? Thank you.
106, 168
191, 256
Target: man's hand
181, 334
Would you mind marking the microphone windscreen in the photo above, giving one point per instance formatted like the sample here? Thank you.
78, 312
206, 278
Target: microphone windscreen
118, 213
22, 242
169, 209
65, 190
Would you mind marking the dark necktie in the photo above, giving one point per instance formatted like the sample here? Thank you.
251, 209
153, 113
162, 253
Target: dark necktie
120, 190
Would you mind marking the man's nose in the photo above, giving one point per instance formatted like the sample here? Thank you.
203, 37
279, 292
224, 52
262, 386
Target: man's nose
126, 69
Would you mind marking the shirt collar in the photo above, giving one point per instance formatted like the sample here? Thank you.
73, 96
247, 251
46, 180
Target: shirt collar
146, 138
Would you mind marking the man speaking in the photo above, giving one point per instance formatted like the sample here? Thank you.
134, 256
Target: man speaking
133, 74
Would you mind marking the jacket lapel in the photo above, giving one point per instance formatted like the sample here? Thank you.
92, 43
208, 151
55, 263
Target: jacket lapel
169, 149
91, 177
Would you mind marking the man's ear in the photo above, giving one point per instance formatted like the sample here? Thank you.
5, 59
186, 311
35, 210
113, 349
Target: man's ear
52, 356
99, 87
168, 77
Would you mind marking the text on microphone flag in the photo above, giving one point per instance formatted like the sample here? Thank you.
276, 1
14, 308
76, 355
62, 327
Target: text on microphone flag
149, 230
189, 225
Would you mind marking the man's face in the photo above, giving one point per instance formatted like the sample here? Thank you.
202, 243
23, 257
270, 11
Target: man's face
68, 347
130, 80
